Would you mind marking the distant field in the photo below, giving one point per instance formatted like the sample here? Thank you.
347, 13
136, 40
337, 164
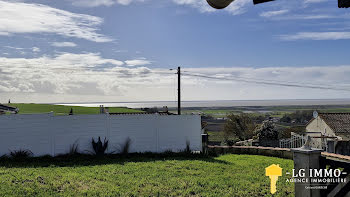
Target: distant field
217, 137
337, 110
227, 175
272, 111
62, 110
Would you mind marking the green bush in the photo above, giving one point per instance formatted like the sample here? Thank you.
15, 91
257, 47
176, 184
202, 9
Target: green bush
99, 147
20, 154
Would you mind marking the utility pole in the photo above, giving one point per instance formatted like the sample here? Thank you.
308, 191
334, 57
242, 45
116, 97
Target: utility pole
179, 90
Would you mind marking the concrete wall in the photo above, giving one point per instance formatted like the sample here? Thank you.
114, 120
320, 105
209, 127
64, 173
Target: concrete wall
45, 134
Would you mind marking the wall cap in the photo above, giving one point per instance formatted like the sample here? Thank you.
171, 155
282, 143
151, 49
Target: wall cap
306, 151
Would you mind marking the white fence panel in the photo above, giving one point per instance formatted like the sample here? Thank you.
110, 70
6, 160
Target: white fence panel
47, 134
141, 129
68, 130
25, 132
173, 136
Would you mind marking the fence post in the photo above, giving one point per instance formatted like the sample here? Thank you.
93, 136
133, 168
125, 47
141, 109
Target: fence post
306, 158
205, 138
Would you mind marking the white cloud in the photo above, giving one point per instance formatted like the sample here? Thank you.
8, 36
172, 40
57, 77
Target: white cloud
69, 77
252, 81
125, 2
306, 17
24, 50
201, 5
273, 13
235, 8
93, 3
16, 48
75, 76
314, 1
4, 34
64, 73
96, 3
63, 44
317, 36
137, 62
18, 17
238, 6
82, 60
36, 49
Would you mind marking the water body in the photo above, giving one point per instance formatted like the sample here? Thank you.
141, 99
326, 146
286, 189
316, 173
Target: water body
218, 103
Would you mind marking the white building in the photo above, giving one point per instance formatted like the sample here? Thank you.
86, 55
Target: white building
330, 131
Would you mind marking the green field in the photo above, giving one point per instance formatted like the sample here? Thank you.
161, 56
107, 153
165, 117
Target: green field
272, 111
141, 175
219, 136
62, 110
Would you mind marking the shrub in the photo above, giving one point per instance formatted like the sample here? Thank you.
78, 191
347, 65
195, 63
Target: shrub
71, 111
168, 152
187, 150
267, 131
21, 154
241, 126
126, 146
227, 143
74, 149
99, 147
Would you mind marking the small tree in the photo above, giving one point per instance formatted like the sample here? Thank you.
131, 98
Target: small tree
299, 116
241, 126
267, 131
71, 111
286, 133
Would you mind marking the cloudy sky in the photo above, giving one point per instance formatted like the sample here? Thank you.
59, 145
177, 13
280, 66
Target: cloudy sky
122, 50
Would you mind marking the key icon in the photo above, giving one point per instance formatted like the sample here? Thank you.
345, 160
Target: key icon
273, 172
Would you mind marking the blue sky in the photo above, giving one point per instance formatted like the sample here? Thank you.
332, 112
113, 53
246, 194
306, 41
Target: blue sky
115, 50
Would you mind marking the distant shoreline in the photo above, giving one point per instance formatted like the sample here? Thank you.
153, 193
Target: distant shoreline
218, 103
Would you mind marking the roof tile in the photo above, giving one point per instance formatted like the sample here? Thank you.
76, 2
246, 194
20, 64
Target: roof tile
339, 122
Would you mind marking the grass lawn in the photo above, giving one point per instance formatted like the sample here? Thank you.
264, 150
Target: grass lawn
141, 175
62, 110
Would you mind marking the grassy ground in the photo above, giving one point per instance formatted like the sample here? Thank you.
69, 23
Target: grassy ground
61, 109
153, 175
219, 136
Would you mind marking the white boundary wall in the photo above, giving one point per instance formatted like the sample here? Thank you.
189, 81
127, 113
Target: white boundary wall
45, 134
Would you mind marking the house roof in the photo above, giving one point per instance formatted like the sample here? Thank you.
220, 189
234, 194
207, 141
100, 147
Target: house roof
338, 122
8, 108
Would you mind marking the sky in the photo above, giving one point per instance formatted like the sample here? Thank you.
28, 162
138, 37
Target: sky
55, 51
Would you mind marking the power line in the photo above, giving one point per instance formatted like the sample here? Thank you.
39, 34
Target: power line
82, 69
267, 82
